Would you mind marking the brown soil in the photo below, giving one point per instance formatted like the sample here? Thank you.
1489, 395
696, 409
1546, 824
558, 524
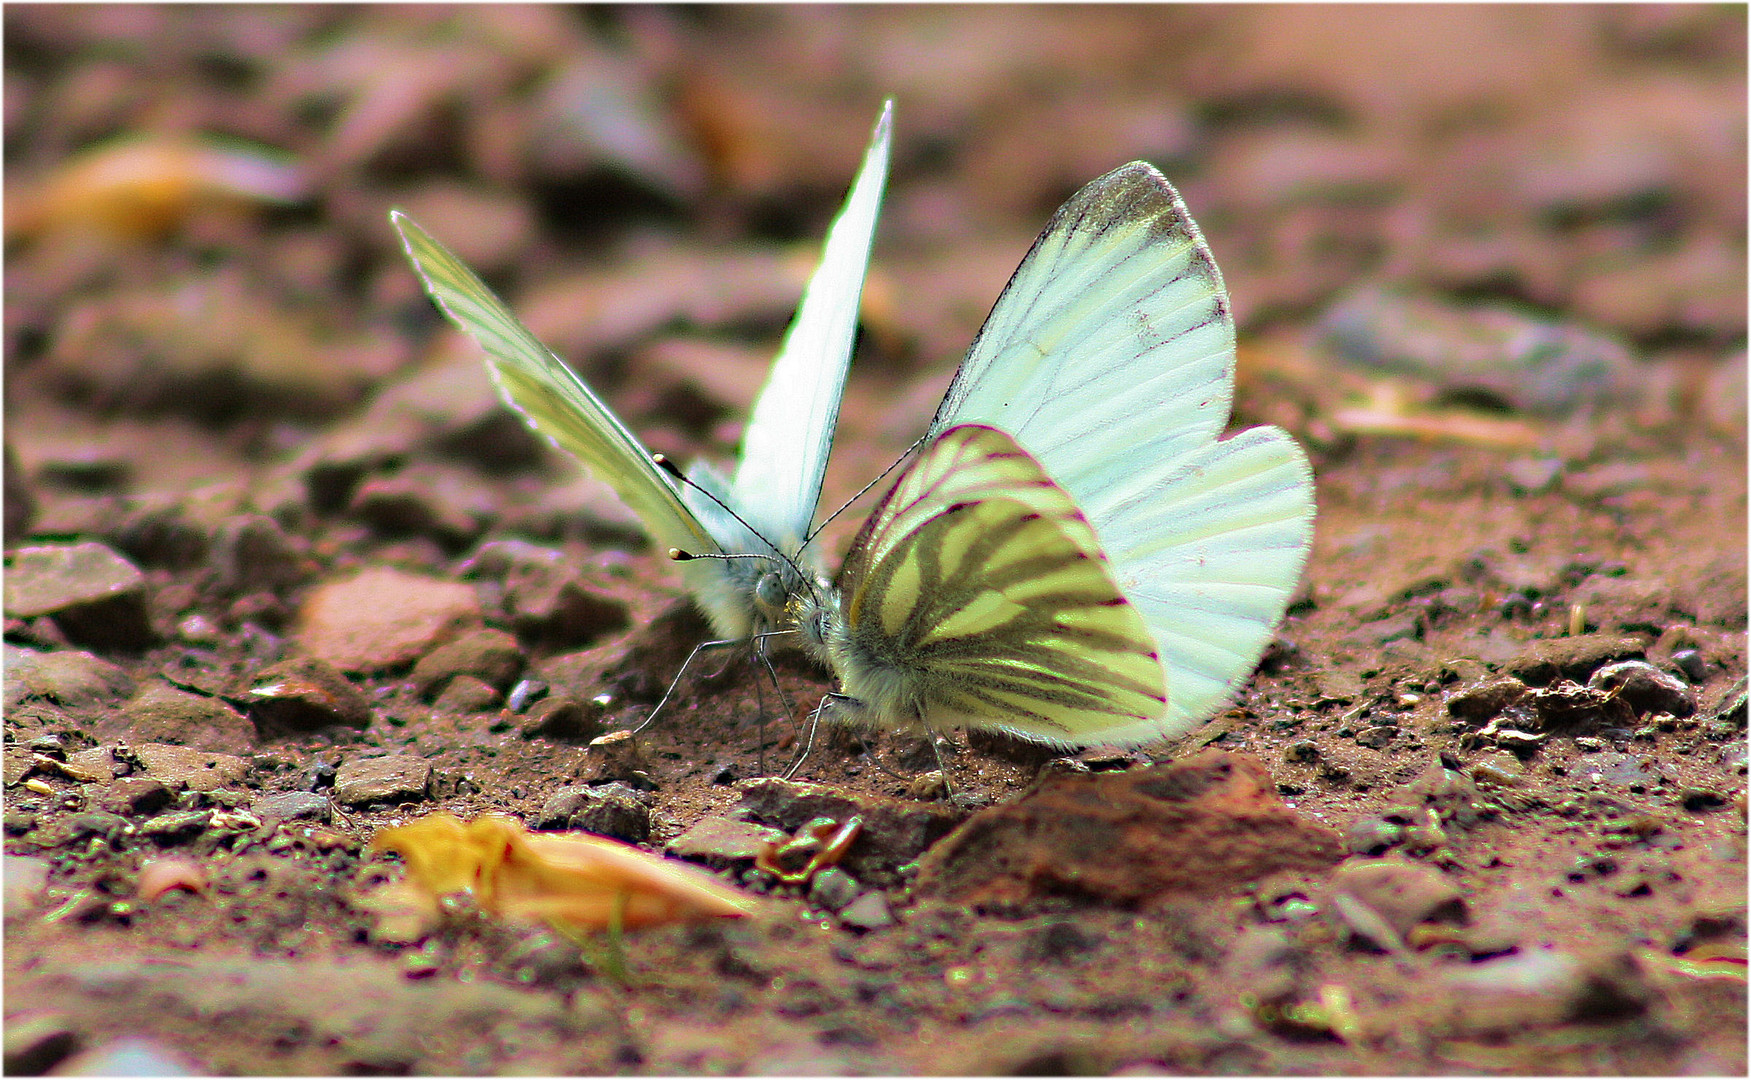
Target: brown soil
1533, 465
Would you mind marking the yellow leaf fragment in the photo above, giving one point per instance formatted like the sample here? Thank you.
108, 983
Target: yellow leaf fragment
571, 881
141, 187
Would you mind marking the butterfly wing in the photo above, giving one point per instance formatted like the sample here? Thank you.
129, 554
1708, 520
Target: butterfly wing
1110, 357
558, 404
977, 594
790, 431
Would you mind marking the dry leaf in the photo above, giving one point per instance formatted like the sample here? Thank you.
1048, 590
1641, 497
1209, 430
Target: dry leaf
143, 187
571, 881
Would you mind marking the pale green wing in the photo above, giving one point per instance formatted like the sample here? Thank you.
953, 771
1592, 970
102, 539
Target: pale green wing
1112, 338
978, 595
790, 431
1110, 358
551, 398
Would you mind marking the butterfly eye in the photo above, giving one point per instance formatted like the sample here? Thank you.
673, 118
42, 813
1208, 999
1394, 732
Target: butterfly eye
770, 592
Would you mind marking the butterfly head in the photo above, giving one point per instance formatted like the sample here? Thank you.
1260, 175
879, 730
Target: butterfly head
815, 614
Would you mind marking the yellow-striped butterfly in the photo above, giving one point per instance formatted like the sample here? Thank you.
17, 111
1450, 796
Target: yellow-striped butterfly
1109, 357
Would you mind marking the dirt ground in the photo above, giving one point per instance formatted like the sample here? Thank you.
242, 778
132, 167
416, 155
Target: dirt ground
281, 573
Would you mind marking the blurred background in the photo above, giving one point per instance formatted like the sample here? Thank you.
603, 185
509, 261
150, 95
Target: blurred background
1475, 224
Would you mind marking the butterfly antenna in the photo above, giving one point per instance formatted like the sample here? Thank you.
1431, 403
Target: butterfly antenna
861, 492
662, 461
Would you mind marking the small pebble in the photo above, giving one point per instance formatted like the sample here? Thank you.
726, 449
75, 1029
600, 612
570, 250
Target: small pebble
868, 912
1690, 662
1645, 687
833, 889
722, 843
1484, 701
615, 756
467, 694
401, 778
613, 809
307, 694
1404, 893
525, 692
1499, 770
560, 717
1372, 836
292, 806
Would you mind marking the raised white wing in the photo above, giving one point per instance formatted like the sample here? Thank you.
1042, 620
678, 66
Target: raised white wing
1110, 358
558, 405
554, 401
976, 594
790, 432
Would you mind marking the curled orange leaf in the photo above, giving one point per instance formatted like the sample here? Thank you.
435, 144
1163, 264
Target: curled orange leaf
571, 881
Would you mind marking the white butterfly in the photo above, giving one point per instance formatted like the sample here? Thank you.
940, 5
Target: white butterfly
978, 592
767, 507
1109, 358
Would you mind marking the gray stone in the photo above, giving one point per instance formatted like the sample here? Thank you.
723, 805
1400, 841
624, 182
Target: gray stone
1340, 686
177, 827
99, 762
868, 912
1645, 687
134, 795
186, 767
546, 595
1573, 657
722, 843
446, 502
1532, 988
1378, 737
1531, 364
292, 806
492, 656
1404, 894
253, 552
467, 694
164, 714
1483, 701
383, 780
73, 680
610, 810
833, 889
306, 693
560, 717
96, 597
614, 756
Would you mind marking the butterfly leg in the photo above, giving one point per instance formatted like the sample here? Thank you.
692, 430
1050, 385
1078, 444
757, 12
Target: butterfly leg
809, 740
948, 791
761, 659
670, 692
